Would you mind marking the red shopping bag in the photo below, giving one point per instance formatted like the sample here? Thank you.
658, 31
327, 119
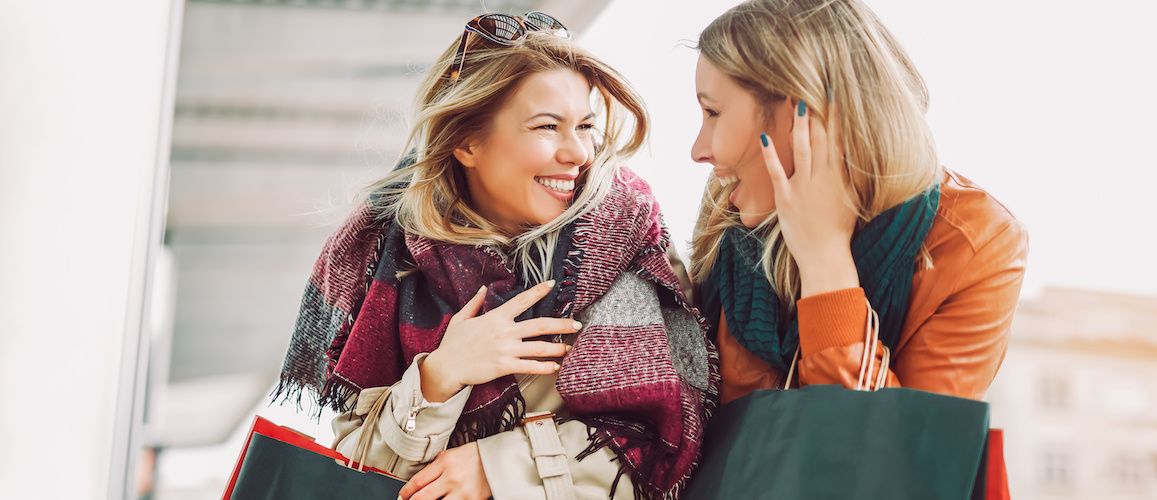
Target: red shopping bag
996, 475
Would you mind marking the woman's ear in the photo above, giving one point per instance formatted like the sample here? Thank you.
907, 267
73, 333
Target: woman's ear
467, 155
785, 113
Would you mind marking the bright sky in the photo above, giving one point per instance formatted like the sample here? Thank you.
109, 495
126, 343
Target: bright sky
1046, 104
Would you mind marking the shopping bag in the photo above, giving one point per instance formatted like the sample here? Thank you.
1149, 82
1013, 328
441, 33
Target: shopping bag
280, 463
826, 441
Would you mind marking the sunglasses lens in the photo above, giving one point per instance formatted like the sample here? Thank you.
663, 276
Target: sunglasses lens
543, 22
500, 28
504, 30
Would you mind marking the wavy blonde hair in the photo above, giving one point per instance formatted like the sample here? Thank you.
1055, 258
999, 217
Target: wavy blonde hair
427, 194
824, 52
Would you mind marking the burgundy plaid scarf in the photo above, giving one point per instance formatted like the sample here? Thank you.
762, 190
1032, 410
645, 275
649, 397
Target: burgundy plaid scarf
642, 375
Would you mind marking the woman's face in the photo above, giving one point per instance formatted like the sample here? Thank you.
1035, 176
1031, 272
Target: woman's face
729, 140
523, 172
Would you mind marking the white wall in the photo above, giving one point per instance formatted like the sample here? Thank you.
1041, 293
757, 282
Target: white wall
83, 122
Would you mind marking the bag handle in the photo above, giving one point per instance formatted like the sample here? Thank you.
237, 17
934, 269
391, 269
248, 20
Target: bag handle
871, 343
369, 424
791, 371
867, 360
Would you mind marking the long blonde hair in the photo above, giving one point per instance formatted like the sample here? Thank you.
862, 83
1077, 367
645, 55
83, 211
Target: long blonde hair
824, 52
426, 195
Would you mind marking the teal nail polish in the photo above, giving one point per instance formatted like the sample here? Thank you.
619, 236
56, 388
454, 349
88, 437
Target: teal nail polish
801, 109
763, 139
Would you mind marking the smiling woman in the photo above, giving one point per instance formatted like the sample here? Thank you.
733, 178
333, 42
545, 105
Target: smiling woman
485, 138
523, 172
510, 227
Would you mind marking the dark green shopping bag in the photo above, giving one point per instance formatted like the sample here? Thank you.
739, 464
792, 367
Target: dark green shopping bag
828, 442
278, 463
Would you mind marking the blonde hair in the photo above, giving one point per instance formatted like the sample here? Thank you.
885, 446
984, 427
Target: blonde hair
427, 194
824, 52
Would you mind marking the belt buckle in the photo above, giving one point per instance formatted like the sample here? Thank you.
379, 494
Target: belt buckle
537, 417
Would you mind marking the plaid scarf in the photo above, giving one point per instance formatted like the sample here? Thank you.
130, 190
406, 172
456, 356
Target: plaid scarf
642, 374
884, 251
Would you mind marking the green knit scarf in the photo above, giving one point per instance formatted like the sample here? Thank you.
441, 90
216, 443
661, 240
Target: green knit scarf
884, 251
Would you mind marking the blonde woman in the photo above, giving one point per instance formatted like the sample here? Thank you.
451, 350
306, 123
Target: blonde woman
828, 207
504, 296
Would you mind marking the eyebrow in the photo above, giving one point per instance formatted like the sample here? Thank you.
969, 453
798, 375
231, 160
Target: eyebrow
703, 97
559, 117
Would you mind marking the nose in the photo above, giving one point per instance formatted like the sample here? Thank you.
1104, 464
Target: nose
573, 151
701, 149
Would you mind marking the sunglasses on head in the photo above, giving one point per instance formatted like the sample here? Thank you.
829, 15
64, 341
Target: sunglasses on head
504, 30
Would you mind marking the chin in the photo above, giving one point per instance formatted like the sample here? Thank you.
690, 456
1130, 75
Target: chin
751, 220
548, 216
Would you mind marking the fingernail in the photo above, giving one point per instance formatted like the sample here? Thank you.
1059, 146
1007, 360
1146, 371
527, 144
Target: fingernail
801, 108
557, 367
569, 347
763, 139
481, 290
577, 325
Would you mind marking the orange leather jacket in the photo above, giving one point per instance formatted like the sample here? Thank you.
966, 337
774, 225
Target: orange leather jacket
956, 333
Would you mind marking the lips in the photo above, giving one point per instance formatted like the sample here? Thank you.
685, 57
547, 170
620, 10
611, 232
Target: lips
561, 188
554, 184
729, 181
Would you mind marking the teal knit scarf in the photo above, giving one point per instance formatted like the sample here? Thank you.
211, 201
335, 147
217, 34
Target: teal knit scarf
884, 251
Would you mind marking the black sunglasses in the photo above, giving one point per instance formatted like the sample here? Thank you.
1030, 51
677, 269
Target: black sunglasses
504, 30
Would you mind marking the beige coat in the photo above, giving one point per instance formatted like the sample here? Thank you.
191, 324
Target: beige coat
412, 431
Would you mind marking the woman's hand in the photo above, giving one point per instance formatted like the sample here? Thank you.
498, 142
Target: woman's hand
478, 349
814, 206
456, 474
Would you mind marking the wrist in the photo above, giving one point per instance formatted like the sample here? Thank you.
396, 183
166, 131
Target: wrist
828, 273
437, 385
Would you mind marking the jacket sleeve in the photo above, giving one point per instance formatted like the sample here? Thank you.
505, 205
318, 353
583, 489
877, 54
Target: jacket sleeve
956, 351
411, 431
518, 466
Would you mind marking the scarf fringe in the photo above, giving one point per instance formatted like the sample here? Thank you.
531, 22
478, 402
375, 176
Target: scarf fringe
288, 390
336, 394
501, 415
599, 436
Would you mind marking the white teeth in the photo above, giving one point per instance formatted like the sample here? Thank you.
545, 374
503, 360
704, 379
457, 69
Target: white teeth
727, 181
556, 184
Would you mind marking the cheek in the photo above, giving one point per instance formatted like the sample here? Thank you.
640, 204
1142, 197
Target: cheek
755, 195
512, 161
783, 145
756, 182
733, 142
524, 158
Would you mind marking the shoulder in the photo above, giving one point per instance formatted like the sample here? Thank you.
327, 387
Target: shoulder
970, 219
977, 245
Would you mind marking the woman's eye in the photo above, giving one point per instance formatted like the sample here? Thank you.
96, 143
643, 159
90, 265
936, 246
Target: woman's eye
586, 126
547, 127
711, 112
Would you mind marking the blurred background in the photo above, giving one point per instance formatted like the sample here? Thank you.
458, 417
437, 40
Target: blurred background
170, 170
